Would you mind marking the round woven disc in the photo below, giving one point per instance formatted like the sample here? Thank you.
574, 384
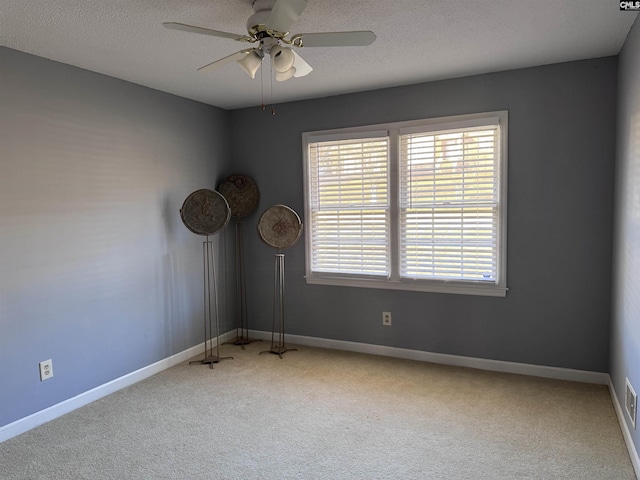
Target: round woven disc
241, 193
205, 212
279, 226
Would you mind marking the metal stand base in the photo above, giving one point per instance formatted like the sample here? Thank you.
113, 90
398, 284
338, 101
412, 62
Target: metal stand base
242, 330
240, 340
277, 346
210, 294
279, 350
209, 360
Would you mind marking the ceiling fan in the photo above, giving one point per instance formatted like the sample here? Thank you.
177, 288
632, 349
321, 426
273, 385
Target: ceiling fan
268, 28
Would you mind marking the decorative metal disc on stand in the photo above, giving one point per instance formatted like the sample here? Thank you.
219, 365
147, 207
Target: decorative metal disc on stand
206, 212
279, 227
242, 196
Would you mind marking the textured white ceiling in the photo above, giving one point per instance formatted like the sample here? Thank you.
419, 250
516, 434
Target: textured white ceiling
417, 41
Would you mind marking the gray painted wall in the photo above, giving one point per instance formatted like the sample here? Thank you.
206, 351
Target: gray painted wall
561, 157
97, 271
625, 322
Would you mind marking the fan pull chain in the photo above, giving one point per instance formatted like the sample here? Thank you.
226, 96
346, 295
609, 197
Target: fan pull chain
273, 110
262, 107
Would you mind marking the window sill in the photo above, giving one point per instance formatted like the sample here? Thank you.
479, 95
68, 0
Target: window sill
457, 288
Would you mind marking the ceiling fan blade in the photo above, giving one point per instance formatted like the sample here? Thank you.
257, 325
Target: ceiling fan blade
284, 14
334, 39
224, 61
204, 31
302, 67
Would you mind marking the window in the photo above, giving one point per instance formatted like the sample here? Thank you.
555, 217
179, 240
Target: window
411, 206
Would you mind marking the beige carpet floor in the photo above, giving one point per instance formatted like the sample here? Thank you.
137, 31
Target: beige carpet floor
324, 414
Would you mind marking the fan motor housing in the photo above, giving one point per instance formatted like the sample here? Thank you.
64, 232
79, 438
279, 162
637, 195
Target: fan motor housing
258, 21
259, 5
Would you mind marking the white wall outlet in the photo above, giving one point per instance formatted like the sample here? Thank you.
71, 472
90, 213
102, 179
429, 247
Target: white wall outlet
631, 403
386, 319
46, 370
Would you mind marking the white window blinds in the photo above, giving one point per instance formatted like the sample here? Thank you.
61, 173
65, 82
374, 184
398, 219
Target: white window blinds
419, 205
348, 202
449, 204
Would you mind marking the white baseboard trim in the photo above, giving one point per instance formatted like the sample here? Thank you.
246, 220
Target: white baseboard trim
445, 359
43, 416
27, 423
626, 434
479, 363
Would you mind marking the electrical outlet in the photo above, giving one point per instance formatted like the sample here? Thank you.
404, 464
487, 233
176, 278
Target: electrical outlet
631, 403
386, 319
46, 370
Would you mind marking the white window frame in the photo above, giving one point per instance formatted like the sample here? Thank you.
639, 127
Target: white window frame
498, 288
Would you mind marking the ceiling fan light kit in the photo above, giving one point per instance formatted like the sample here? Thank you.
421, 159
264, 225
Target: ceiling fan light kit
251, 62
283, 60
269, 27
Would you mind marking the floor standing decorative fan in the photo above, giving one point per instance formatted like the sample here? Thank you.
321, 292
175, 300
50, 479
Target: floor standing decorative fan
206, 212
279, 227
243, 196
